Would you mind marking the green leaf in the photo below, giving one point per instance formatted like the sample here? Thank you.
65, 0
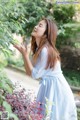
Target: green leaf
5, 86
0, 113
11, 115
7, 106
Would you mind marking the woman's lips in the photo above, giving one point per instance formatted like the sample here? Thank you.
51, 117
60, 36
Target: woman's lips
35, 31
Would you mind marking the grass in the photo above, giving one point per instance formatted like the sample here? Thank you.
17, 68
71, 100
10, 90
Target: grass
72, 76
78, 113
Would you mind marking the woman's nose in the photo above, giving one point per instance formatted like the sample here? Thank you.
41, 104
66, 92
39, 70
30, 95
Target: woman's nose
35, 27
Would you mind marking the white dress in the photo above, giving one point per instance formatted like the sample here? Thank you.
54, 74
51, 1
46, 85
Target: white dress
55, 88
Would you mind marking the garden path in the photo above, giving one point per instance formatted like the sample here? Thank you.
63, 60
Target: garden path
22, 79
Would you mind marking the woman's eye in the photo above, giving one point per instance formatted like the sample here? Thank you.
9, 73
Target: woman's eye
40, 25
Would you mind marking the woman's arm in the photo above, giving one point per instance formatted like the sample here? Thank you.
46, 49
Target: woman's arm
27, 63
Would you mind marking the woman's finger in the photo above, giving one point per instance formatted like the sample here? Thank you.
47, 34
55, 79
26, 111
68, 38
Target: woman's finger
17, 47
21, 48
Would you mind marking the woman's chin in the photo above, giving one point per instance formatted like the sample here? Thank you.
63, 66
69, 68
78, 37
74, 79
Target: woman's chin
33, 34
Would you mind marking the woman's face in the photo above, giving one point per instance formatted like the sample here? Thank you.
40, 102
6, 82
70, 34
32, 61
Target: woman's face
39, 29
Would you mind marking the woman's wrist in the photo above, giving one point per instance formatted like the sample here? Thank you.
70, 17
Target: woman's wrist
24, 54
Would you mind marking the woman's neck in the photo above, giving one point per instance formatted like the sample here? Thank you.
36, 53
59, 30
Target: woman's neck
37, 41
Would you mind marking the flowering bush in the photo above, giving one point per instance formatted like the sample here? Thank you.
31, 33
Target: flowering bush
23, 106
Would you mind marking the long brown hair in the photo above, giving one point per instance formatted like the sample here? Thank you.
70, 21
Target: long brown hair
48, 40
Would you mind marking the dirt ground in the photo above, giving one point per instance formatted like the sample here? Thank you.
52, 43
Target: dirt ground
22, 79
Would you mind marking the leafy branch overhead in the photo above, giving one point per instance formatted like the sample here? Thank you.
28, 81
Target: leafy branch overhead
20, 16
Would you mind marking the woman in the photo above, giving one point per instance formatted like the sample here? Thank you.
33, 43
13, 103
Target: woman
47, 67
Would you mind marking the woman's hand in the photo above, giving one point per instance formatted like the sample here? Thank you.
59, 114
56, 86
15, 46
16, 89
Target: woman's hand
24, 50
21, 48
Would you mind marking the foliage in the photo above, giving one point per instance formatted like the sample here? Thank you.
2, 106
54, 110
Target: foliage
68, 33
38, 10
63, 14
5, 83
17, 62
18, 103
6, 86
5, 32
48, 106
3, 61
69, 29
21, 16
78, 113
72, 76
22, 105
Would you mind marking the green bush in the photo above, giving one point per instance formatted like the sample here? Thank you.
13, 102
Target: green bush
6, 86
64, 13
17, 62
68, 27
72, 76
67, 34
21, 16
78, 113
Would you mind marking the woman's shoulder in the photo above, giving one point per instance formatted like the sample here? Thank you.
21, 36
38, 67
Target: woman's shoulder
44, 51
